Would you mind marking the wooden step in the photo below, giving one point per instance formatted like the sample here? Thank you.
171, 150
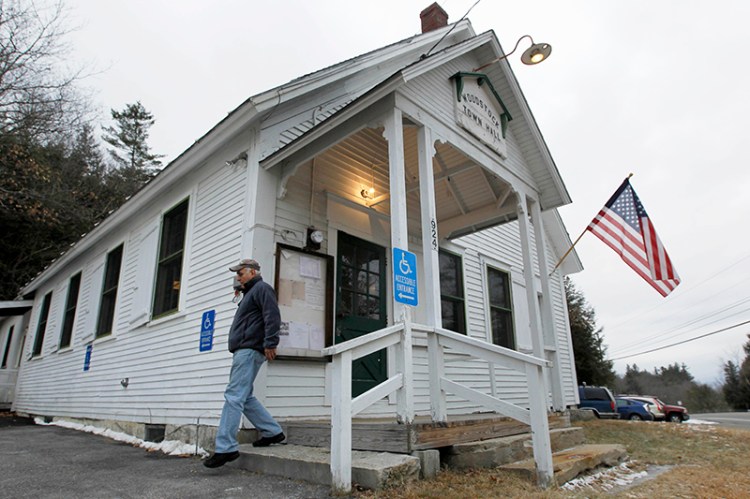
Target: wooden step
570, 463
499, 451
422, 434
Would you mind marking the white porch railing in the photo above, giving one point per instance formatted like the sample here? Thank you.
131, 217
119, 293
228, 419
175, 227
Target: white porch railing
439, 339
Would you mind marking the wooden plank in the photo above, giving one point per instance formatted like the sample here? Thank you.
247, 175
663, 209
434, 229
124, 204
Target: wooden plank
487, 401
389, 436
376, 393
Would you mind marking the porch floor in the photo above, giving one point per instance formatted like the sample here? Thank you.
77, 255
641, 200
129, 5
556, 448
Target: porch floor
387, 435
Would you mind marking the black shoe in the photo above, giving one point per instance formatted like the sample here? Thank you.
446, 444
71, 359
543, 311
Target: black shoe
220, 459
266, 441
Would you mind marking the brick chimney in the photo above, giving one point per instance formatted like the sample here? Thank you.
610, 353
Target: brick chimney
433, 17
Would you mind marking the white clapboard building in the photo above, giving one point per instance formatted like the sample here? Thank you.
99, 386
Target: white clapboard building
401, 199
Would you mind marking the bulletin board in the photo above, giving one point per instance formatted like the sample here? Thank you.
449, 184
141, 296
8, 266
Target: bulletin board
304, 286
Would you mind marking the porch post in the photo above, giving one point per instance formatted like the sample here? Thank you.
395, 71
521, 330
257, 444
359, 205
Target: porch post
549, 331
259, 219
394, 134
430, 256
260, 210
534, 374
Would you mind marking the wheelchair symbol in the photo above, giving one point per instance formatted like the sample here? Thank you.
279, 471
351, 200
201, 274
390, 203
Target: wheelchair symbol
403, 265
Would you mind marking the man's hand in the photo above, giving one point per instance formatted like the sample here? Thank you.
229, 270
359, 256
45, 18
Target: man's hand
270, 353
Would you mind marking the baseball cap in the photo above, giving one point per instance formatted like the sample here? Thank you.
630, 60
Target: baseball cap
247, 262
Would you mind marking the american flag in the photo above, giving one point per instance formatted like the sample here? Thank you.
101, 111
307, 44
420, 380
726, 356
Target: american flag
626, 228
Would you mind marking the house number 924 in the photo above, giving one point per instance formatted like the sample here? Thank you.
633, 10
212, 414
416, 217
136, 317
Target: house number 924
433, 227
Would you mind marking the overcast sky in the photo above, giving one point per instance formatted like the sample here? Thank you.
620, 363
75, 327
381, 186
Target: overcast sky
658, 89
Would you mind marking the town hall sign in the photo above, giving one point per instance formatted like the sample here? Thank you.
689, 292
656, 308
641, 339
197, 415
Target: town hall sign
480, 110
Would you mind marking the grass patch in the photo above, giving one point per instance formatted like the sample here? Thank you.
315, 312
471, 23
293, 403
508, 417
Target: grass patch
704, 462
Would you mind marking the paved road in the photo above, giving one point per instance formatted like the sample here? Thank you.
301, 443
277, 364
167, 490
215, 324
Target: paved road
53, 462
727, 419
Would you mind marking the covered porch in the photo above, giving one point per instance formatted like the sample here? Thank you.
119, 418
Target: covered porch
387, 172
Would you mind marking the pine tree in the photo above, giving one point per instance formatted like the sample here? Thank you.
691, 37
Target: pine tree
129, 138
731, 386
592, 367
737, 381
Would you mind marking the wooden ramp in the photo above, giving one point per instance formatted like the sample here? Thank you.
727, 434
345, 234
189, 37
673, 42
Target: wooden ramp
387, 435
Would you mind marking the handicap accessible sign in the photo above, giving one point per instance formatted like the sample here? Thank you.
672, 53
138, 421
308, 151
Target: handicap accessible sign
405, 277
207, 331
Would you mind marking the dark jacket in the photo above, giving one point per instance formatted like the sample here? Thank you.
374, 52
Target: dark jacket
257, 321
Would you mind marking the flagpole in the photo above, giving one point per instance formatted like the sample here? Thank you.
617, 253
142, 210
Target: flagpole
569, 250
576, 241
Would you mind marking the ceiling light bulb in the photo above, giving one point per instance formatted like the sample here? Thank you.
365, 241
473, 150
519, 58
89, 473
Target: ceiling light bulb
371, 192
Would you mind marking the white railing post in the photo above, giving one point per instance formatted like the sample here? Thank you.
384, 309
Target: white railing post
341, 423
549, 331
405, 394
437, 395
540, 426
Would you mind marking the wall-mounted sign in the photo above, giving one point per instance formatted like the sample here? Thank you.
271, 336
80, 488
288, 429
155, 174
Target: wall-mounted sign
207, 331
405, 277
480, 110
87, 358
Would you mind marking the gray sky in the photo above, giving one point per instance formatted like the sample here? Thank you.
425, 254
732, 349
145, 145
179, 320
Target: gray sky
653, 88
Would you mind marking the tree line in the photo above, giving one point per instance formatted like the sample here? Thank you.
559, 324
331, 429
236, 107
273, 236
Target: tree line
55, 182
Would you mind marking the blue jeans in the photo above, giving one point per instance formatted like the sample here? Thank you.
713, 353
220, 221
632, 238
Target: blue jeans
239, 400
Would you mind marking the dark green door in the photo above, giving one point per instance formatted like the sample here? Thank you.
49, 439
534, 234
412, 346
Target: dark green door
361, 305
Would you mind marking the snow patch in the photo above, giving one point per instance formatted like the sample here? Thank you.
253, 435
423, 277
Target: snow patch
608, 479
171, 447
699, 422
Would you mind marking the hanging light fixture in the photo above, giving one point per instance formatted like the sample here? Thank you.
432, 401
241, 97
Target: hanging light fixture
370, 193
532, 55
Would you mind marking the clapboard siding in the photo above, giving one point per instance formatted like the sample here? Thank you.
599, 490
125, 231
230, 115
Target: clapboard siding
169, 381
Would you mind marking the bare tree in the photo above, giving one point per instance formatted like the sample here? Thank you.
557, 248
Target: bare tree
37, 93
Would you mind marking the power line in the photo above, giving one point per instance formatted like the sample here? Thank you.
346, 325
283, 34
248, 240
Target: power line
665, 335
683, 292
683, 341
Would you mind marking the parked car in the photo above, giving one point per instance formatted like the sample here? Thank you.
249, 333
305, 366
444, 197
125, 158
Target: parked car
675, 413
600, 400
635, 410
656, 406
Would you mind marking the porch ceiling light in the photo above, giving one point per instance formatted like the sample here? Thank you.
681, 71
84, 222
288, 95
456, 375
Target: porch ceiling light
532, 55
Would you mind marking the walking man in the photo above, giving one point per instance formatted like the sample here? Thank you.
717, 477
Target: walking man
253, 338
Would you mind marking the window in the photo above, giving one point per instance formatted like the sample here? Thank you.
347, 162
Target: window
109, 292
169, 269
501, 309
42, 326
7, 348
70, 310
452, 292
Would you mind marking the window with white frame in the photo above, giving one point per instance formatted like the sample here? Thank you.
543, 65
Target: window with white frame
41, 327
169, 266
452, 301
71, 304
109, 292
500, 307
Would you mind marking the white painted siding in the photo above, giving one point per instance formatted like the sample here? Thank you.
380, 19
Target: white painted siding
169, 379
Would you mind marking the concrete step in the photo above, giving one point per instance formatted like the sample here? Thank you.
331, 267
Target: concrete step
498, 451
570, 463
371, 470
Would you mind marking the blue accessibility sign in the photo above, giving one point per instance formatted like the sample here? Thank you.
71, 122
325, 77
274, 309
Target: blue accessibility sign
87, 357
405, 277
207, 331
